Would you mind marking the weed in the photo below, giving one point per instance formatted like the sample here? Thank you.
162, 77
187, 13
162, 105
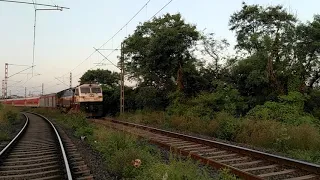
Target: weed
225, 174
176, 169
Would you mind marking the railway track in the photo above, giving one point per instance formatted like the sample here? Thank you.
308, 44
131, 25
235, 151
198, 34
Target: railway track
245, 163
38, 152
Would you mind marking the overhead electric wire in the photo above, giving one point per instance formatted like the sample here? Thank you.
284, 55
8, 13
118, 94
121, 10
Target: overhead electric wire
114, 34
106, 57
20, 71
23, 2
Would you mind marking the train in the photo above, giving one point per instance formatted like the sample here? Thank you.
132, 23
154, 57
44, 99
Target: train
87, 98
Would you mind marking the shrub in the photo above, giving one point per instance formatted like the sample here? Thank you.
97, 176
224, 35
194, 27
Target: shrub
3, 135
275, 135
281, 111
227, 126
225, 174
11, 116
311, 156
176, 169
121, 162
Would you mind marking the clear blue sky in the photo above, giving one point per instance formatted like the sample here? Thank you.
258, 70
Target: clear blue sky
65, 39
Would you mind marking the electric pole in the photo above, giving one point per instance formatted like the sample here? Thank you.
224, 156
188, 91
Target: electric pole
122, 81
25, 92
70, 80
121, 68
2, 89
6, 80
42, 89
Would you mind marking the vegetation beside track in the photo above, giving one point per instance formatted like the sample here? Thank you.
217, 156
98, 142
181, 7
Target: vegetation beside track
298, 141
267, 94
9, 119
120, 150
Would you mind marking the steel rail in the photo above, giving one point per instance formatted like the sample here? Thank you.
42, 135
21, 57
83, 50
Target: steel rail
5, 149
250, 152
64, 154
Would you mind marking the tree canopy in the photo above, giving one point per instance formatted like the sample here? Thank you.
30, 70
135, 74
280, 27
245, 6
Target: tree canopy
159, 49
100, 76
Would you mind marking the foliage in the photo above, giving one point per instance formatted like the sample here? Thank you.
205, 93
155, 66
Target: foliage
9, 118
227, 126
77, 122
288, 110
312, 104
120, 149
150, 98
159, 50
100, 76
214, 48
275, 135
225, 174
176, 169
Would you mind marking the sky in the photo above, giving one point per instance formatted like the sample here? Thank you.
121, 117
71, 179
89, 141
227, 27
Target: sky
65, 39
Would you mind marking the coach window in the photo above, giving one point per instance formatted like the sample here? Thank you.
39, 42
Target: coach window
77, 92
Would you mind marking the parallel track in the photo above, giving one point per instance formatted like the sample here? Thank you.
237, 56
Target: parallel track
244, 162
36, 152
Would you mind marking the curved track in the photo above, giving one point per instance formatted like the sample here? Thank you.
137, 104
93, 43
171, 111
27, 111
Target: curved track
35, 153
244, 162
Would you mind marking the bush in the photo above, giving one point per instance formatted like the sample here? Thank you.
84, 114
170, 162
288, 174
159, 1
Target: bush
288, 110
12, 116
225, 174
275, 135
120, 162
227, 126
3, 135
176, 169
311, 156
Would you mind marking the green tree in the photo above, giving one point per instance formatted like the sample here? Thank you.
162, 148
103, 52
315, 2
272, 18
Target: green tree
214, 48
158, 51
267, 32
101, 76
307, 66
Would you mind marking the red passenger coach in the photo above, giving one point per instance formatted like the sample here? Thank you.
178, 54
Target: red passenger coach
29, 102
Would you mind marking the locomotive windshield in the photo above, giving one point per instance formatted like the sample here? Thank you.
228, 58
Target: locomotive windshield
95, 90
85, 90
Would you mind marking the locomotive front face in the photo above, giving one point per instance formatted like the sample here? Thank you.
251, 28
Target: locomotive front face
89, 98
88, 93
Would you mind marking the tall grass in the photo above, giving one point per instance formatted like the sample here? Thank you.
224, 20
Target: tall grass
9, 116
270, 134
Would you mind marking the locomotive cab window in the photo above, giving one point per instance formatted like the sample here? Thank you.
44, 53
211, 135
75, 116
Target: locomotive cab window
85, 90
77, 92
95, 90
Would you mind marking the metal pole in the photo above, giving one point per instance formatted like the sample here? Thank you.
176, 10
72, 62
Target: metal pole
6, 80
2, 89
122, 81
34, 38
70, 80
25, 92
42, 92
